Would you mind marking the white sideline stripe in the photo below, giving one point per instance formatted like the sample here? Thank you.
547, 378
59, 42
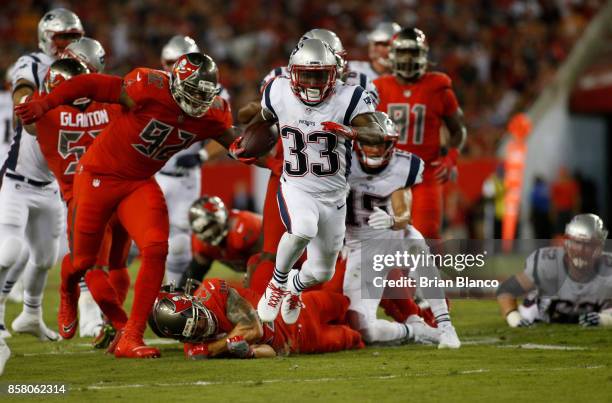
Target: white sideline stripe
59, 353
533, 346
150, 342
481, 341
288, 379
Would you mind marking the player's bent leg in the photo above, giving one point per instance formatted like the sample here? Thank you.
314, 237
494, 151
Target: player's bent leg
427, 209
105, 296
14, 255
179, 256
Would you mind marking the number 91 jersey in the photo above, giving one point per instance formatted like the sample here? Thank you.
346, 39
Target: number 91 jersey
316, 162
374, 190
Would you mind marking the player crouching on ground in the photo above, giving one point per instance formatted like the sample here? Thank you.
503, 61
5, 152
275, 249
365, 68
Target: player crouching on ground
229, 236
566, 284
221, 321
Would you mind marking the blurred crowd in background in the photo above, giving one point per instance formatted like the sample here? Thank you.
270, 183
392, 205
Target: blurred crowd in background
499, 53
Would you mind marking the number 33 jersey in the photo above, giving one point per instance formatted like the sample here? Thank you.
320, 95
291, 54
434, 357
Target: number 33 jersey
417, 110
139, 141
316, 161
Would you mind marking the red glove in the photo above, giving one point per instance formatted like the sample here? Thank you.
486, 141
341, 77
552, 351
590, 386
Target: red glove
30, 111
236, 149
196, 351
445, 165
238, 347
340, 130
275, 165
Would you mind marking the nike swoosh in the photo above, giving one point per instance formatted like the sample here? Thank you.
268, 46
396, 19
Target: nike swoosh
339, 207
69, 327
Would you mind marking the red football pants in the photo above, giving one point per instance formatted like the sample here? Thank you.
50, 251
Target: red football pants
427, 209
316, 334
141, 209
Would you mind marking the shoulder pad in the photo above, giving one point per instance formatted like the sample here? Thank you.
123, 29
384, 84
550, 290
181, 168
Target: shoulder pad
438, 80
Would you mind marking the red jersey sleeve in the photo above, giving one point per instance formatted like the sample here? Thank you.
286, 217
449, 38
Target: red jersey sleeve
444, 87
142, 84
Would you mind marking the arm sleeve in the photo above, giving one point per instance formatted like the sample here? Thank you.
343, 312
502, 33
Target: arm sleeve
97, 87
415, 172
360, 103
531, 267
449, 102
267, 99
26, 68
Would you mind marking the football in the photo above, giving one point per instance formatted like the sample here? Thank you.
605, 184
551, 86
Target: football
259, 138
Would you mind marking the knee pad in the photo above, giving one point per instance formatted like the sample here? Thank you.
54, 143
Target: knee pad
179, 247
11, 250
323, 275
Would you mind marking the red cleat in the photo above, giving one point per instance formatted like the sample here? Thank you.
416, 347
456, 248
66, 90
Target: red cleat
113, 344
67, 320
128, 347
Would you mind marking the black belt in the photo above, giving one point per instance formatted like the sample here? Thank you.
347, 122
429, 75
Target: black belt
173, 174
27, 180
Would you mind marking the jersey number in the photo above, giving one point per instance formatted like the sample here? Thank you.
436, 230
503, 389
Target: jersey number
300, 166
155, 135
368, 202
66, 148
400, 115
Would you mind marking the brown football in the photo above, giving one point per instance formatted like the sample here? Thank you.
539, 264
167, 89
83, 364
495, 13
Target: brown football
258, 139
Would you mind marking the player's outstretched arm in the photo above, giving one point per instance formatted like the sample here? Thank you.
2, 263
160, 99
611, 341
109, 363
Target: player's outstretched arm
457, 135
97, 87
401, 201
508, 292
364, 128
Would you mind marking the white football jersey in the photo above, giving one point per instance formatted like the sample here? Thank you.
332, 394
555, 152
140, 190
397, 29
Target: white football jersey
316, 161
547, 269
25, 157
374, 190
6, 124
364, 67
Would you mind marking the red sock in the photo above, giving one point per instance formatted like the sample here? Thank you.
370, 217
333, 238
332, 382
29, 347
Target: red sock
262, 276
120, 280
146, 289
106, 298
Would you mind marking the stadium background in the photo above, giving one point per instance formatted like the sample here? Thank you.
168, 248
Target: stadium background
501, 55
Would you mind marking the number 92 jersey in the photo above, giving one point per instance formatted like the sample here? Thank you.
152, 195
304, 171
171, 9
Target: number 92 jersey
317, 162
374, 190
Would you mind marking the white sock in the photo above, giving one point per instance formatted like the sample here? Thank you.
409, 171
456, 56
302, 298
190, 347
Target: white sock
34, 281
289, 250
440, 311
381, 330
2, 310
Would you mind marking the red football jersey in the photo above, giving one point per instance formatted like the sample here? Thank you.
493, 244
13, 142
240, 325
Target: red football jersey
243, 233
140, 141
66, 132
417, 110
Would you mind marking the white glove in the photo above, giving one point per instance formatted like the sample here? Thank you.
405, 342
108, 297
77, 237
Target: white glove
514, 319
379, 219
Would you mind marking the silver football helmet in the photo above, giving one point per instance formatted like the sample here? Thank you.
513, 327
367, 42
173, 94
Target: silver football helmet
182, 317
380, 41
377, 156
89, 52
408, 54
333, 41
585, 236
208, 217
56, 29
176, 47
313, 69
62, 70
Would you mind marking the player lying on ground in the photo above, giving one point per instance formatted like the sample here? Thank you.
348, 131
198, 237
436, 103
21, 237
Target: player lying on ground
230, 237
162, 114
568, 284
220, 321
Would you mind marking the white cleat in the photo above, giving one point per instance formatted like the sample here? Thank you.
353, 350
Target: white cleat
421, 332
270, 303
4, 333
5, 354
448, 337
292, 303
33, 324
90, 316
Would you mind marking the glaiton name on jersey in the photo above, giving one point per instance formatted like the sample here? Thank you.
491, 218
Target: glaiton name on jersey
84, 119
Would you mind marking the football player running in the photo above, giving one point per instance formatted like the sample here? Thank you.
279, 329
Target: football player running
229, 236
30, 206
162, 114
180, 178
379, 209
220, 321
419, 103
379, 44
64, 134
319, 117
564, 284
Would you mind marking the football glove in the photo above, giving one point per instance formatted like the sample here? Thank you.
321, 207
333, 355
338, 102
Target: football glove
238, 347
30, 111
444, 165
340, 130
236, 149
514, 319
589, 319
379, 219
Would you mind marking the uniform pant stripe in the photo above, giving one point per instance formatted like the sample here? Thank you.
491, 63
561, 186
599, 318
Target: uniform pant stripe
282, 207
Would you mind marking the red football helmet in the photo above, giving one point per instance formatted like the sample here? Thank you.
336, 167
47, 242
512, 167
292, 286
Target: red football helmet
62, 70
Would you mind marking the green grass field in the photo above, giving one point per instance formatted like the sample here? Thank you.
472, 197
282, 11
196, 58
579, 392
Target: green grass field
544, 363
